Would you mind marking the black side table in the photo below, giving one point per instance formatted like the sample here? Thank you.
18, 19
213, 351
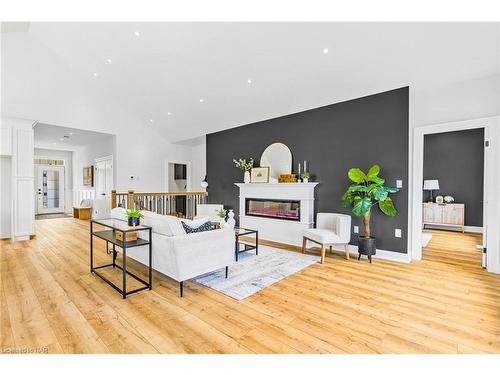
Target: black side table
243, 232
109, 236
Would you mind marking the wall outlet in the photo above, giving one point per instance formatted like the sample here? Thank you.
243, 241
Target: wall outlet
356, 229
399, 184
397, 233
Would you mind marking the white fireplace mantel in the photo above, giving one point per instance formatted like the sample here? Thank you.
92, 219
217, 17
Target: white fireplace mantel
278, 230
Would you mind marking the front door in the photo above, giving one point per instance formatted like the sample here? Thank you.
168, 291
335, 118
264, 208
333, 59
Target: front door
50, 189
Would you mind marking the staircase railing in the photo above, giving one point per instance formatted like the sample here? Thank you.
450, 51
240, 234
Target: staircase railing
175, 204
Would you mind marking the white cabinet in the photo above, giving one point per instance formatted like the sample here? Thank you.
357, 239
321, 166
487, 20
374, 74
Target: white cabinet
449, 215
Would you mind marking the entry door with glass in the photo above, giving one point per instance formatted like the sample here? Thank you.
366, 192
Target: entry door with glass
50, 189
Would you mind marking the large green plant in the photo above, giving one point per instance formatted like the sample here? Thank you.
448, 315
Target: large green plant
367, 191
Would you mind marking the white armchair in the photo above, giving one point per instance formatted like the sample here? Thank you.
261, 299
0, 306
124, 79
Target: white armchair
331, 229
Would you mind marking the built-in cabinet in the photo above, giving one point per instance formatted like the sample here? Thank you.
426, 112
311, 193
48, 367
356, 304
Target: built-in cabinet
17, 145
449, 214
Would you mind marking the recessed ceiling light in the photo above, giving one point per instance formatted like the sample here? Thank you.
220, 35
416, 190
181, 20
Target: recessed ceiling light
169, 113
137, 33
249, 81
150, 120
96, 74
325, 50
202, 100
109, 61
70, 133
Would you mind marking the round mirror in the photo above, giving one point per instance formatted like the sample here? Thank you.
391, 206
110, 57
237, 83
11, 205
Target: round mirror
278, 158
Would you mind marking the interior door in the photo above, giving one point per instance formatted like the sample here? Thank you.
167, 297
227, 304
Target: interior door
104, 178
50, 189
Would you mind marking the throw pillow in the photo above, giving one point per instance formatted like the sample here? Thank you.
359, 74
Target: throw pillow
197, 222
202, 228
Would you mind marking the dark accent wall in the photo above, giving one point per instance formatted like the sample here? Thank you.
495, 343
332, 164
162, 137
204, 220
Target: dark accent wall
334, 138
456, 159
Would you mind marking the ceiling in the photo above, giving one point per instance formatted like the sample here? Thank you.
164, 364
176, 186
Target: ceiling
162, 71
62, 138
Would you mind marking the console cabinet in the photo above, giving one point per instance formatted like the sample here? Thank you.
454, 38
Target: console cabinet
449, 214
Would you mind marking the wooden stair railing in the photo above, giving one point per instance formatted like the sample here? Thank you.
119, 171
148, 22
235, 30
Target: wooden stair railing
175, 204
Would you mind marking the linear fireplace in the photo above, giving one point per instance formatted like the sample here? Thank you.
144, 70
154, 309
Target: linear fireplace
273, 208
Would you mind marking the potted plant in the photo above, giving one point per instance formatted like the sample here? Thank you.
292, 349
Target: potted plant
222, 215
367, 191
134, 217
305, 177
245, 166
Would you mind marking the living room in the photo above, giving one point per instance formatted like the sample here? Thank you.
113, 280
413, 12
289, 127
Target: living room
249, 187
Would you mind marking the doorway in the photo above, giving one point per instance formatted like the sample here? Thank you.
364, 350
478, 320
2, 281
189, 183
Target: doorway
177, 182
50, 182
491, 168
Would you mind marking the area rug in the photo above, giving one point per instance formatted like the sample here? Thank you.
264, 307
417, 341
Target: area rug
255, 272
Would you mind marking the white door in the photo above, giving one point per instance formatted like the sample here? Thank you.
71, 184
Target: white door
50, 189
104, 178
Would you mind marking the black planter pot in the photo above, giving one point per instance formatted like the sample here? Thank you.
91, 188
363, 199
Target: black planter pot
134, 221
367, 246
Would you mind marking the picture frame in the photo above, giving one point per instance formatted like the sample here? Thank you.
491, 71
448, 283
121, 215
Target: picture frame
88, 176
259, 175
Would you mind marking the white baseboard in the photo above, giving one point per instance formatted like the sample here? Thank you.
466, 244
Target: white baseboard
381, 254
467, 228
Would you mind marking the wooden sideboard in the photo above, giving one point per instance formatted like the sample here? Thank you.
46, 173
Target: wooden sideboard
446, 214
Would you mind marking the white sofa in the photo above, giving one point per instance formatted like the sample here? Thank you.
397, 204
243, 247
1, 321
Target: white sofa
178, 255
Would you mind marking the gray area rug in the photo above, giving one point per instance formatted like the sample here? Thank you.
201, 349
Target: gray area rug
255, 272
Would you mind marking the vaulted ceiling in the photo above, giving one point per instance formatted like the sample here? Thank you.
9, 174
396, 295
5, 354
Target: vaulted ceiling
189, 79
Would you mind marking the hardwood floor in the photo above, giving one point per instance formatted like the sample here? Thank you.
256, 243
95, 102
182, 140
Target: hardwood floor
443, 304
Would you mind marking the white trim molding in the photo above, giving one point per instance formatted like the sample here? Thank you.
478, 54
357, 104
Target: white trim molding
491, 205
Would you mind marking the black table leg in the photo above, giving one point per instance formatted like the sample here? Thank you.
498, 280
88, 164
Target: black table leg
114, 255
150, 261
256, 243
124, 270
91, 249
227, 269
236, 248
181, 288
359, 256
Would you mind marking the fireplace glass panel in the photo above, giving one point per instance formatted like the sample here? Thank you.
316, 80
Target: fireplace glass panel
276, 209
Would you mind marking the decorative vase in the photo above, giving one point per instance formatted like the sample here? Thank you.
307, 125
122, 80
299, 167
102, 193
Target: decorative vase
222, 223
230, 221
134, 221
246, 177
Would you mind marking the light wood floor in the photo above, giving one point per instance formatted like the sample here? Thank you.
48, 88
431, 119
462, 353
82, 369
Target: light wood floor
443, 304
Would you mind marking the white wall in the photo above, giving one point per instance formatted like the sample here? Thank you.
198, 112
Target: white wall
37, 84
67, 156
198, 166
465, 100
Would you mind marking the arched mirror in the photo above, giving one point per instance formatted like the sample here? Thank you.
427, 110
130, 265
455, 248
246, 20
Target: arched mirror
278, 158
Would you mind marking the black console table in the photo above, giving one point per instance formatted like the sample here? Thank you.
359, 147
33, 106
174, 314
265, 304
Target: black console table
246, 247
109, 236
